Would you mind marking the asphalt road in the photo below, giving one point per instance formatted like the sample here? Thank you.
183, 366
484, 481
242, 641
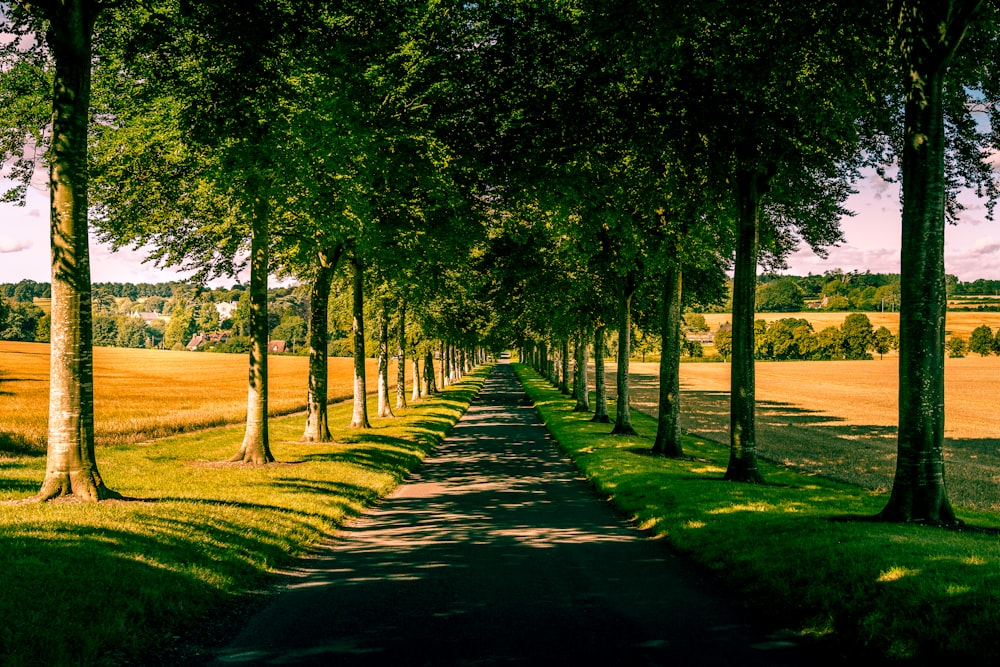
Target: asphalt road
495, 552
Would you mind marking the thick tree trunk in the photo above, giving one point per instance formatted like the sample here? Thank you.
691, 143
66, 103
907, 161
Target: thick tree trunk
70, 465
742, 431
255, 448
580, 390
359, 416
600, 379
317, 424
918, 489
429, 375
384, 410
623, 415
401, 359
668, 427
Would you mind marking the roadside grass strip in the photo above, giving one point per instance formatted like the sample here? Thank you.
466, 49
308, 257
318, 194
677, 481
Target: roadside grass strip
802, 549
121, 582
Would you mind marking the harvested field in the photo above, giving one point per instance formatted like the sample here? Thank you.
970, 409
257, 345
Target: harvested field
838, 418
145, 394
957, 323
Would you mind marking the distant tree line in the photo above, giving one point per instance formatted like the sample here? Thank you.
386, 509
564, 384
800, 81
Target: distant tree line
794, 338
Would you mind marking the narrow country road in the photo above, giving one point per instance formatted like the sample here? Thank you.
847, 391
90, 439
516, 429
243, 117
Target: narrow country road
495, 552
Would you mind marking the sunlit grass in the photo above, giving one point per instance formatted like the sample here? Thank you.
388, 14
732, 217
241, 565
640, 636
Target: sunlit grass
109, 583
801, 549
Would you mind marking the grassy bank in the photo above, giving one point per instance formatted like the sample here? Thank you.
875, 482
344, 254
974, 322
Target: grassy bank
799, 548
120, 582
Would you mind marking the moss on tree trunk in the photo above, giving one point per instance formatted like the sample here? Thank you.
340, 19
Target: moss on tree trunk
317, 423
668, 425
600, 379
359, 416
623, 415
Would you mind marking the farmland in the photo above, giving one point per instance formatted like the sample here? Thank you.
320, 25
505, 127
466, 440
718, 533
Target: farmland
144, 394
838, 418
957, 323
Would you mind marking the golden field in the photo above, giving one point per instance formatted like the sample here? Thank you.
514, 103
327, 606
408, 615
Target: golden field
145, 394
956, 324
838, 418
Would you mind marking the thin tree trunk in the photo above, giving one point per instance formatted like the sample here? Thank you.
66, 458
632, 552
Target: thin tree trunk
742, 432
359, 416
600, 387
564, 372
317, 424
384, 410
255, 448
445, 368
580, 390
401, 360
918, 489
668, 426
623, 415
71, 465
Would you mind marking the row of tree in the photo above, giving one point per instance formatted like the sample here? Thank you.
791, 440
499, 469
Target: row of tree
519, 172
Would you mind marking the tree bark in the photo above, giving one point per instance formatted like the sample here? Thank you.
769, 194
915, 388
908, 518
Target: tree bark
255, 448
429, 375
401, 359
580, 390
929, 41
71, 465
742, 431
317, 424
384, 410
564, 362
415, 396
668, 426
623, 415
359, 416
600, 379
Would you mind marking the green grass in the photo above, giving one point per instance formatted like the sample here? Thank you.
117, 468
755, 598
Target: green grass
117, 582
800, 548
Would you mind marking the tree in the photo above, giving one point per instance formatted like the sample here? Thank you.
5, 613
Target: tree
68, 28
780, 296
928, 37
957, 347
859, 337
884, 341
724, 343
981, 340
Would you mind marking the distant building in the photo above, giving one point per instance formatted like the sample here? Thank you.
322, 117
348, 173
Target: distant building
196, 342
149, 317
276, 346
226, 309
201, 339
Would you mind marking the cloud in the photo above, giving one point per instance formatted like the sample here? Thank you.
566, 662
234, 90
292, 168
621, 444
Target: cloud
13, 245
984, 246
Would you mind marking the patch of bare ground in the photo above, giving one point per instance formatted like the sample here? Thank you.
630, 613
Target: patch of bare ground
838, 418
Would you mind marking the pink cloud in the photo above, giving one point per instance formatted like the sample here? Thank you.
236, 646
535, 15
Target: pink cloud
13, 245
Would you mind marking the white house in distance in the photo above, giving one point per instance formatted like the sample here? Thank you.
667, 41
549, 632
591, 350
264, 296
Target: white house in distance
226, 309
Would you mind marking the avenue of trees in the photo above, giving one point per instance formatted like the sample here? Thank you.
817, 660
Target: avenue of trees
521, 173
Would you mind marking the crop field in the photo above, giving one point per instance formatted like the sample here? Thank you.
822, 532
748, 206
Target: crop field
144, 394
956, 324
838, 418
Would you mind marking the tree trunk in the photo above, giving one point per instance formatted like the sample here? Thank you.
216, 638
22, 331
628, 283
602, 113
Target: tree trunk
359, 416
564, 372
742, 430
255, 448
429, 372
600, 386
668, 426
415, 396
317, 425
401, 360
70, 465
580, 390
384, 410
623, 416
918, 489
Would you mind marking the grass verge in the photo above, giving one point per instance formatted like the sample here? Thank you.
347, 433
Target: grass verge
124, 582
800, 548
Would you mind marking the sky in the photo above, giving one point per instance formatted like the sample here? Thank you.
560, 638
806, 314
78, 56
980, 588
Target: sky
872, 239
